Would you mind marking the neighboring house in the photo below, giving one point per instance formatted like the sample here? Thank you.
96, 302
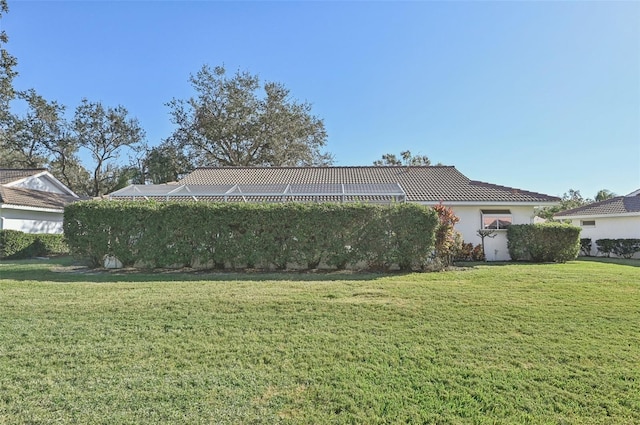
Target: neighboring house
32, 200
477, 204
615, 218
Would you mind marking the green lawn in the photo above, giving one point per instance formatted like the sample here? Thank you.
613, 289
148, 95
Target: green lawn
552, 343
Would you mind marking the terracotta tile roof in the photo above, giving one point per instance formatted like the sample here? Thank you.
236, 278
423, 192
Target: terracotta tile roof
421, 184
613, 206
8, 175
258, 199
34, 198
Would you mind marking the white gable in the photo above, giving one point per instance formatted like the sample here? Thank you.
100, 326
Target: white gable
44, 182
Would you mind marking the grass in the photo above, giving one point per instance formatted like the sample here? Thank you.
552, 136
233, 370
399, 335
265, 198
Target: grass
513, 343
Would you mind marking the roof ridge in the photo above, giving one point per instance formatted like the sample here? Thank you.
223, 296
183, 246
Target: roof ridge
240, 167
512, 189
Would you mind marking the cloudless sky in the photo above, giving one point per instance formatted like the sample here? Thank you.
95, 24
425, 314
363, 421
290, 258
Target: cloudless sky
543, 96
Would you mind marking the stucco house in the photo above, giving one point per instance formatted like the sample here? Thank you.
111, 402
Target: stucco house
479, 205
615, 218
32, 200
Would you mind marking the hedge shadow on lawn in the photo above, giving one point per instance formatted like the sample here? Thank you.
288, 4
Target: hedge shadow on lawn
65, 271
605, 260
473, 264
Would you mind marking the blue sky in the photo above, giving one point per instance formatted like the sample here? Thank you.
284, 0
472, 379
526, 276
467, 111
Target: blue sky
543, 96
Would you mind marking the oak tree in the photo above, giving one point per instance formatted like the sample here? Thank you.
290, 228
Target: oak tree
238, 121
165, 163
107, 133
7, 69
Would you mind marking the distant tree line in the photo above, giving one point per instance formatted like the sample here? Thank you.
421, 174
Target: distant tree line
406, 158
573, 199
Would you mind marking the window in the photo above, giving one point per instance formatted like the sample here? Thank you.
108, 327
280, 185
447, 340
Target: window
496, 219
588, 223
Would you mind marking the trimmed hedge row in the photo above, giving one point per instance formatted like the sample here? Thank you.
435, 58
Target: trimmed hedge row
18, 245
625, 248
543, 242
239, 235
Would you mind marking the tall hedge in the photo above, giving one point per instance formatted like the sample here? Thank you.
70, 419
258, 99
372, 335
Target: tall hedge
18, 245
543, 242
245, 235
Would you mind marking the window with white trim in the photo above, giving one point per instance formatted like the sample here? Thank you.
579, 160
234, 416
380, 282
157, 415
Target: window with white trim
588, 223
496, 219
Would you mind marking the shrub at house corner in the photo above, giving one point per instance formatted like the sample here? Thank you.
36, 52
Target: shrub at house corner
546, 242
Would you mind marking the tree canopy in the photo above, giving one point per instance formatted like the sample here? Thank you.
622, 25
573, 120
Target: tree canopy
40, 135
573, 199
231, 120
106, 133
236, 120
604, 194
7, 69
570, 200
165, 163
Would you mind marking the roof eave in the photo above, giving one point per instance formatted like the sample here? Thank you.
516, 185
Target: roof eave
601, 215
30, 208
474, 203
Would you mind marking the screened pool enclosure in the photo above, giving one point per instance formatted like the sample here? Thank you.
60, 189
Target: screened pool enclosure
378, 193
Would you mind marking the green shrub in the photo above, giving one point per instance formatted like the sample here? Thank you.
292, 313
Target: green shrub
17, 245
246, 235
606, 246
464, 252
52, 244
478, 253
546, 242
585, 246
448, 241
468, 252
625, 248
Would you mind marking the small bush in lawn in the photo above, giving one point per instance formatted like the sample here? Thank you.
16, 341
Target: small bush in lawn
546, 242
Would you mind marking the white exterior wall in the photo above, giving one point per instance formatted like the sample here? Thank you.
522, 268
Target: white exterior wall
31, 221
609, 228
471, 221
